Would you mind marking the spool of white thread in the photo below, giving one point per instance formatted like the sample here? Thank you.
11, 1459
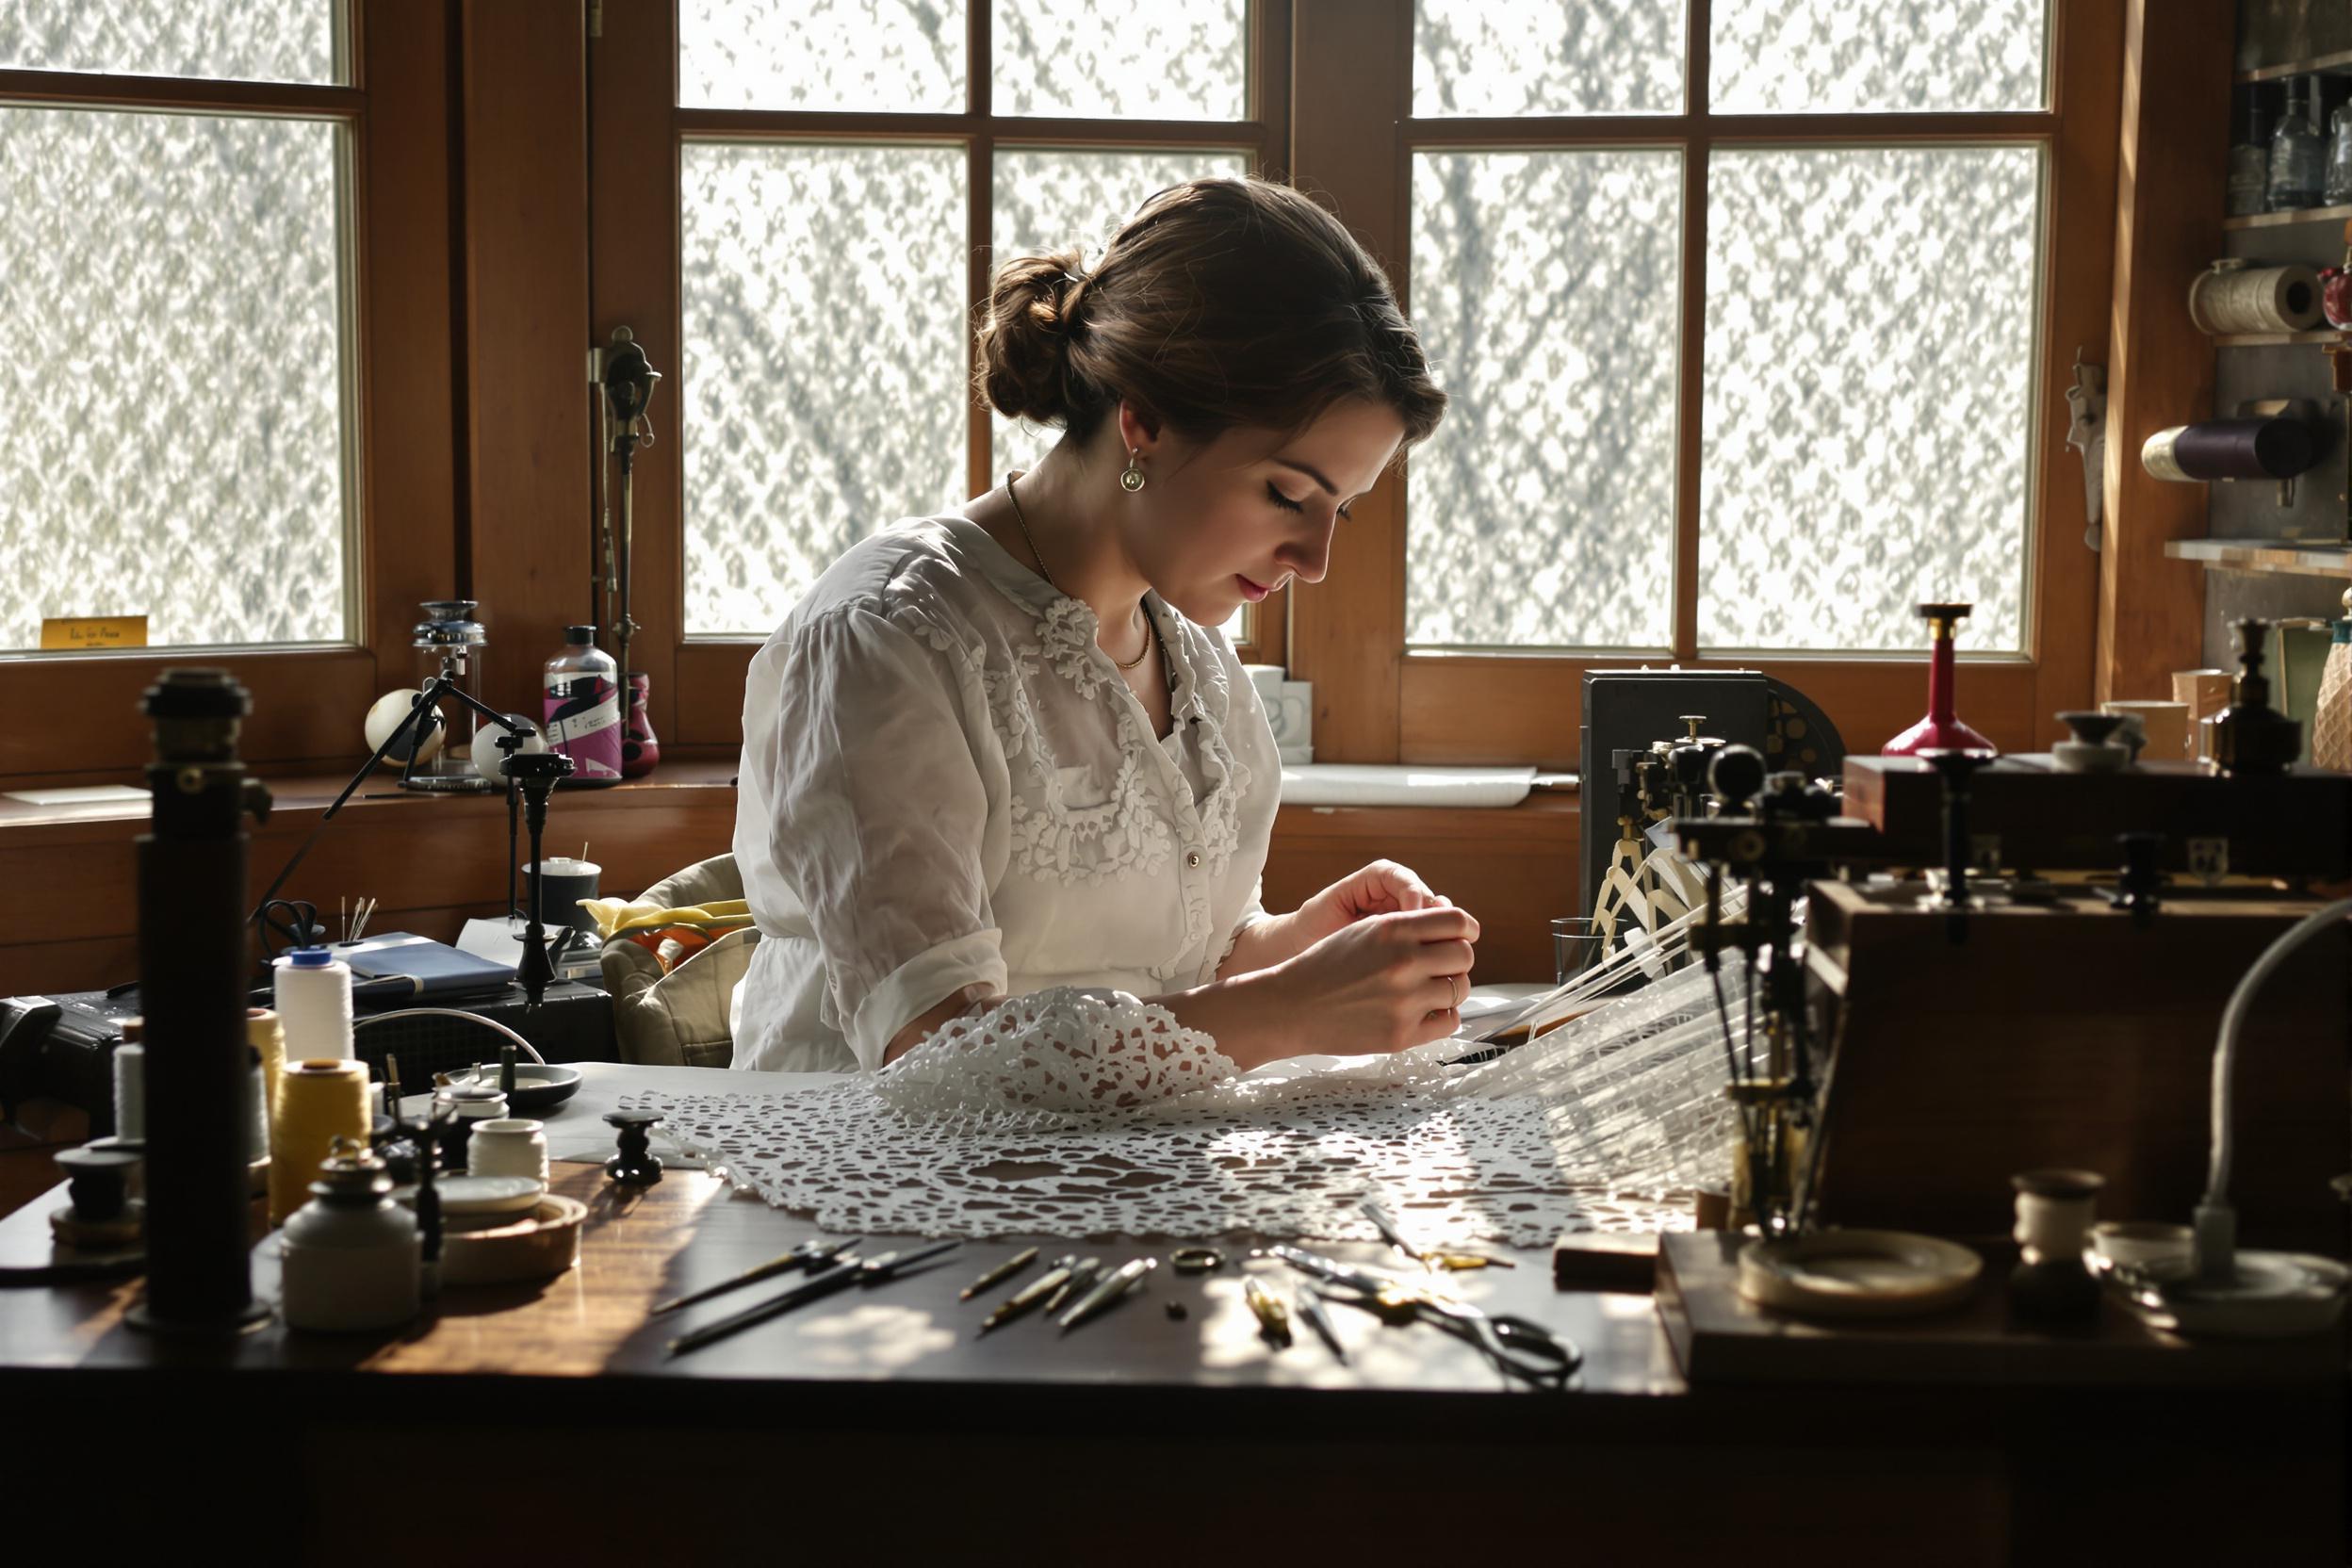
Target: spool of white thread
130, 1091
314, 996
257, 1114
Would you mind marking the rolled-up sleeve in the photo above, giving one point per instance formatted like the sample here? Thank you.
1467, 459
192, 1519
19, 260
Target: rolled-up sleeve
879, 813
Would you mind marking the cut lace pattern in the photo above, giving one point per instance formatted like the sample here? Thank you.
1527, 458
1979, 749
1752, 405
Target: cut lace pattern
1014, 1127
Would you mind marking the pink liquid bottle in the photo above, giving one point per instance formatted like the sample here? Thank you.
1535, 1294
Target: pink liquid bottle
584, 708
1940, 730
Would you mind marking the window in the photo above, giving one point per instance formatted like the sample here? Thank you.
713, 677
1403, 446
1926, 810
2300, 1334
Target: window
177, 279
861, 162
1866, 323
229, 292
1747, 311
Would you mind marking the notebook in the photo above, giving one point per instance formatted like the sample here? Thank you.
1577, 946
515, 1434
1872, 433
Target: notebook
433, 970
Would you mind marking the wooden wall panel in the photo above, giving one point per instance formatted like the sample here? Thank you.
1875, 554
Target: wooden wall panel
1353, 61
527, 314
408, 540
2170, 196
434, 861
2082, 240
633, 271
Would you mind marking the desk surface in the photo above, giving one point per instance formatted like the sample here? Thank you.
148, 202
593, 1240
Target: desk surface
1115, 1425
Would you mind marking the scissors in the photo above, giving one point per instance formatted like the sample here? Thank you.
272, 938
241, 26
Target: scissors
294, 923
1516, 1346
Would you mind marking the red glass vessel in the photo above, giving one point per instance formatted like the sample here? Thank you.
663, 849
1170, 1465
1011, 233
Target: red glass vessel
1940, 730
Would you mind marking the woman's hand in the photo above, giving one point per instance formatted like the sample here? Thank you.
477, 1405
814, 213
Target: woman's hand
1383, 888
1385, 981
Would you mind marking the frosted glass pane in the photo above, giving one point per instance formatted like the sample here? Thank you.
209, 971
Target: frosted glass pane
1497, 58
1869, 339
248, 41
1110, 59
904, 56
1048, 199
172, 289
1835, 57
1541, 513
823, 359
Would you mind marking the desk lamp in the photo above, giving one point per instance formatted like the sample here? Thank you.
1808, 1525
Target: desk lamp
537, 774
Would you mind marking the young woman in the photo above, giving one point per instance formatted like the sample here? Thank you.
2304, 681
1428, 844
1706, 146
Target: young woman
1002, 786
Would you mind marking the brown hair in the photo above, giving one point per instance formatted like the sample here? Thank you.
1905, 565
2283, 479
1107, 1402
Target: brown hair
1221, 304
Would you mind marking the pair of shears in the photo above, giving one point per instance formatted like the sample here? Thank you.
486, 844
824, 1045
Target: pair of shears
1516, 1346
293, 921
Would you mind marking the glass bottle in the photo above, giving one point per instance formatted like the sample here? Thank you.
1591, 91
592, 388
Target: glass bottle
2338, 189
2297, 156
584, 708
2250, 158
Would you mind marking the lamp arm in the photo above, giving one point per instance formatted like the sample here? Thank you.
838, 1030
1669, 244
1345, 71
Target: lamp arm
2233, 1024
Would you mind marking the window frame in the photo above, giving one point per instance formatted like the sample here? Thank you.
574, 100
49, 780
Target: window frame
635, 281
1354, 139
396, 214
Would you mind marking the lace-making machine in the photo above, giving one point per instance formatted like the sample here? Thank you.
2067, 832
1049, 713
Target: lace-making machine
1966, 965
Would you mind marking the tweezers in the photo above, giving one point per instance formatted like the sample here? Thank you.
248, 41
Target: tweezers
808, 1254
845, 1273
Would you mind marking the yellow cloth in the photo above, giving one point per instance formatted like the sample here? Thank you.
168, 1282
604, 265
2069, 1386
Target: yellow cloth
616, 917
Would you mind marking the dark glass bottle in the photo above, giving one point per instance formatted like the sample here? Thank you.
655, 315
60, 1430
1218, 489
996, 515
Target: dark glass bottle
2249, 156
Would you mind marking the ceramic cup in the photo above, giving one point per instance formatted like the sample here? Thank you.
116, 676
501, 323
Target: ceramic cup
508, 1146
563, 881
2143, 1244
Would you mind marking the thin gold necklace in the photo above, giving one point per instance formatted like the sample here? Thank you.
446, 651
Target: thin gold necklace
1150, 632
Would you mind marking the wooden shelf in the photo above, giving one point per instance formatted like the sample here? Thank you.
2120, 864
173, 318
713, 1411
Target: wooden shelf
2338, 64
2282, 219
2298, 557
2274, 339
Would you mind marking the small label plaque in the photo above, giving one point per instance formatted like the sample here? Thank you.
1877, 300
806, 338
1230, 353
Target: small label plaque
87, 633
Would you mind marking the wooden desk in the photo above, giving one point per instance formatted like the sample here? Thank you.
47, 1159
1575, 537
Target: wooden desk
1137, 1438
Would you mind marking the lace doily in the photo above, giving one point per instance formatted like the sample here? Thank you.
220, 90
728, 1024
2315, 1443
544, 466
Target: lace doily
1092, 1114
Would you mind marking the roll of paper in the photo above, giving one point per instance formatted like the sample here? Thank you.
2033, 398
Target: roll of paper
130, 1092
2242, 299
316, 1101
314, 1007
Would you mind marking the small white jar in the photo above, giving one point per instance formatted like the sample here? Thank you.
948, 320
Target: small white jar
508, 1146
350, 1256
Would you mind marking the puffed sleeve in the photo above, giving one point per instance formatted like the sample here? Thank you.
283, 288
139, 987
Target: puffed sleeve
879, 813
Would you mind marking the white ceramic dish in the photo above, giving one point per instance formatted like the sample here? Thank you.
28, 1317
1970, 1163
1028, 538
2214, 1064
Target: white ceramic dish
2272, 1296
479, 1195
1858, 1274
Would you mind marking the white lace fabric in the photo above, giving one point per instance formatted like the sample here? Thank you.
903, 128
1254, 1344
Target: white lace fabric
1061, 1049
1092, 1114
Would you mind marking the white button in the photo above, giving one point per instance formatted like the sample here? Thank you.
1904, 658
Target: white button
1192, 858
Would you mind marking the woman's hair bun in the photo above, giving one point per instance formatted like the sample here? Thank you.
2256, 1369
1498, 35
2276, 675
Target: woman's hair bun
1024, 337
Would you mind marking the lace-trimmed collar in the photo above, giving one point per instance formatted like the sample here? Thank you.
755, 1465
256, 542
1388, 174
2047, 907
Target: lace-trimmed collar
1070, 625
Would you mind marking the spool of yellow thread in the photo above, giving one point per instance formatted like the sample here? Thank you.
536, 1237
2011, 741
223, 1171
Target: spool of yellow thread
318, 1101
265, 1034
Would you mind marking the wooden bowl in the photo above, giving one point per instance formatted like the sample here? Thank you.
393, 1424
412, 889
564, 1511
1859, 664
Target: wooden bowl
540, 1246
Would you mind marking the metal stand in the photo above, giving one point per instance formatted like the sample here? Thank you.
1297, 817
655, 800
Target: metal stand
426, 701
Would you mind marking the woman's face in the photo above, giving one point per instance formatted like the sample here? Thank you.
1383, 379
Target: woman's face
1224, 523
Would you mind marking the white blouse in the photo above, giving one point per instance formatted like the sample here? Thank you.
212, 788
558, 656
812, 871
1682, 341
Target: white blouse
945, 781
